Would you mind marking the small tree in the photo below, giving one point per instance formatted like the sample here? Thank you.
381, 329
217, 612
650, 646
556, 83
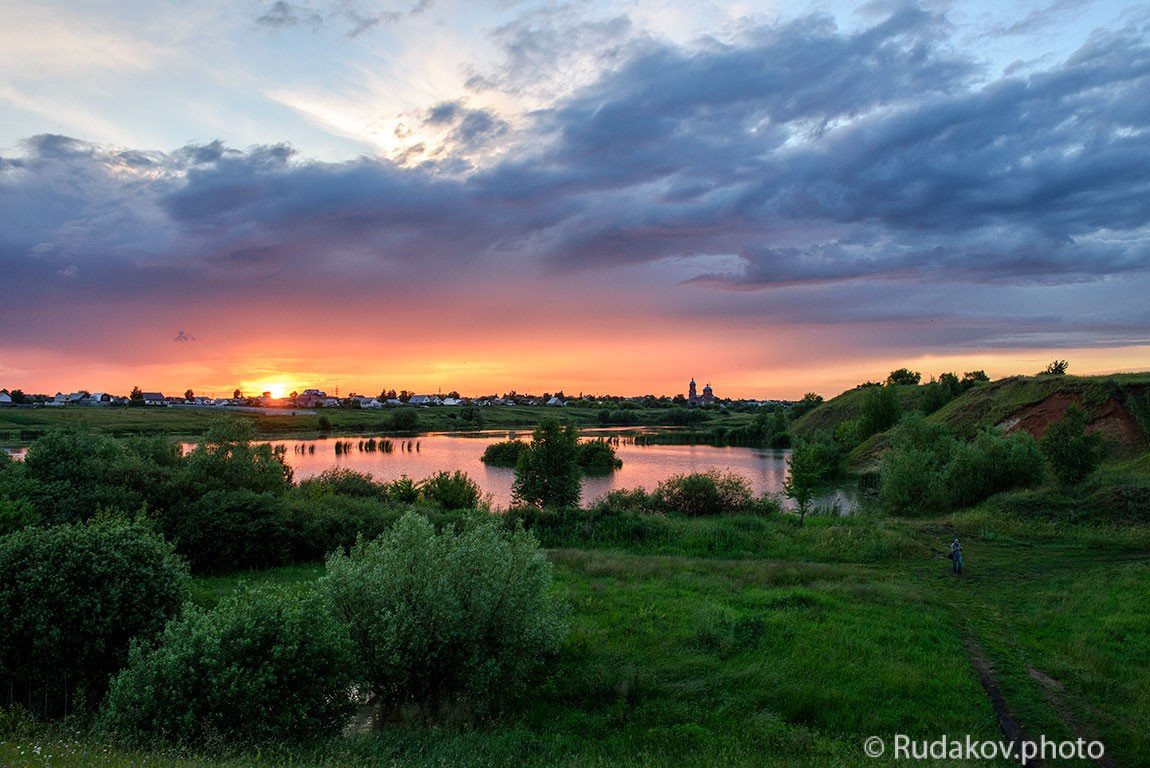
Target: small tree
811, 465
1056, 368
547, 473
189, 394
136, 398
903, 377
880, 411
809, 402
970, 378
1071, 453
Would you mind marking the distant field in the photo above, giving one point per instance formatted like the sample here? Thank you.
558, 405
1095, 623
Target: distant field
19, 425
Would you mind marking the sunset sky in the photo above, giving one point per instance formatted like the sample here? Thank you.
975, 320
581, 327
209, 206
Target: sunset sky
602, 197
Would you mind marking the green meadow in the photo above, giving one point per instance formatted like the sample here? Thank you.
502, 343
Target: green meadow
781, 646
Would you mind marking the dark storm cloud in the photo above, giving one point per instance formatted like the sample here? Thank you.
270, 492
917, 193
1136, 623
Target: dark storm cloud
806, 155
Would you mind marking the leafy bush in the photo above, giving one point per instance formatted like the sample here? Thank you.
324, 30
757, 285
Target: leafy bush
880, 410
324, 523
703, 494
16, 514
505, 453
911, 482
72, 473
928, 470
71, 599
340, 481
226, 460
403, 490
934, 396
450, 490
404, 420
1071, 452
625, 499
229, 530
598, 457
618, 519
263, 665
446, 620
992, 463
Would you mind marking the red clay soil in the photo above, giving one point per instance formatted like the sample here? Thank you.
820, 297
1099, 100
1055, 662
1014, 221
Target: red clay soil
1110, 419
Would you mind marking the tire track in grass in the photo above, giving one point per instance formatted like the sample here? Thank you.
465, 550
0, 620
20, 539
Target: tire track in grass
1007, 722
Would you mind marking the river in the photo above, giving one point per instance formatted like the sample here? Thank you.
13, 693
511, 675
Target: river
643, 465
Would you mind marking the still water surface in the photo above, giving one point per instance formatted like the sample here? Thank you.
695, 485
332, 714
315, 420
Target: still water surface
643, 465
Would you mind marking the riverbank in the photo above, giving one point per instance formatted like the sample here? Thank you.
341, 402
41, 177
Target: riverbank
706, 654
21, 425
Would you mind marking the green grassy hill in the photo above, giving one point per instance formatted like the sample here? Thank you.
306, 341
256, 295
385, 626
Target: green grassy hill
1117, 406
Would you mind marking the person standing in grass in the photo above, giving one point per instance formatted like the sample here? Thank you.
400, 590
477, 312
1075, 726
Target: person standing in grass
956, 556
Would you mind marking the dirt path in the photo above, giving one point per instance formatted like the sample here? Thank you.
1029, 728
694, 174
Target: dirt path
1053, 691
1008, 723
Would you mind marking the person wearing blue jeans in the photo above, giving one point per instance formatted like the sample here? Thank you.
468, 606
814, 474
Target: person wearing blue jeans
956, 556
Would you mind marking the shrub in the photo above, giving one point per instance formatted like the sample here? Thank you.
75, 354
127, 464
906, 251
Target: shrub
16, 514
229, 530
226, 460
703, 493
992, 463
624, 499
910, 482
324, 523
1071, 453
263, 665
598, 457
404, 420
450, 490
927, 469
340, 481
547, 474
448, 619
71, 599
403, 490
880, 411
70, 474
505, 453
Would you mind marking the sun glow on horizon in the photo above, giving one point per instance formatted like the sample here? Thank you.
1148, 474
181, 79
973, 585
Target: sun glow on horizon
276, 387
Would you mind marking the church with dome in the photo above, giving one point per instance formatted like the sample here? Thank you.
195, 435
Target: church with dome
695, 398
